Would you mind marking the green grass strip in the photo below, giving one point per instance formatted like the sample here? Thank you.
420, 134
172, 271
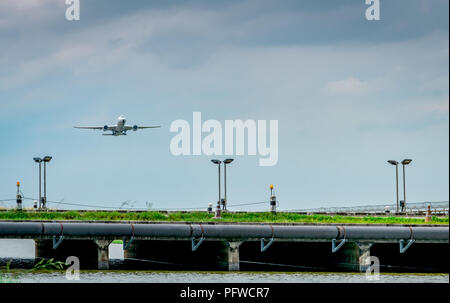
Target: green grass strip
205, 217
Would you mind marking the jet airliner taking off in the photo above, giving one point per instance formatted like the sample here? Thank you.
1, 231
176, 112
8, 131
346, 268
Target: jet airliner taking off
117, 130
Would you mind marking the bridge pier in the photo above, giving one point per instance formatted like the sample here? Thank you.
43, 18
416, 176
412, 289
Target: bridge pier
364, 256
305, 256
93, 254
103, 253
420, 257
353, 256
178, 254
233, 256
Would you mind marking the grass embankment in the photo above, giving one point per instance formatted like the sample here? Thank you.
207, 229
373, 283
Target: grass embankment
205, 217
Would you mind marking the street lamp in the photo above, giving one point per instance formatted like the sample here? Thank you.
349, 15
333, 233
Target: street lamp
46, 159
225, 162
42, 200
393, 162
404, 163
218, 162
39, 160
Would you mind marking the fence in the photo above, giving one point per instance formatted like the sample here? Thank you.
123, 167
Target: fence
437, 208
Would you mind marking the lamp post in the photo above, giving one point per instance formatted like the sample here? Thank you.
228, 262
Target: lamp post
39, 160
218, 162
404, 163
393, 162
46, 159
225, 162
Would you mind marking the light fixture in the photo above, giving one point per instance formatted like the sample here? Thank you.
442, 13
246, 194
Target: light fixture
406, 161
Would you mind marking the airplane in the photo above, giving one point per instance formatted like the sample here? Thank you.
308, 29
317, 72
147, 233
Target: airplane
117, 130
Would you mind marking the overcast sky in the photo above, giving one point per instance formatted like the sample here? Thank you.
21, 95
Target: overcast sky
349, 94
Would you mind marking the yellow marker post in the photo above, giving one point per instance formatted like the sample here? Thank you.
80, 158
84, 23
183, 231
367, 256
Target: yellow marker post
18, 197
273, 201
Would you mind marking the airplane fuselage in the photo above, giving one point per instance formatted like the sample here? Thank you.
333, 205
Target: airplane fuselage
120, 129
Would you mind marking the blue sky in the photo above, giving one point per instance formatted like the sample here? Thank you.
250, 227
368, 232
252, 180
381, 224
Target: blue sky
349, 94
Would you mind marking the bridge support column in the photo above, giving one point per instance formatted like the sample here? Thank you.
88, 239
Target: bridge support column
364, 255
103, 253
233, 256
178, 254
353, 256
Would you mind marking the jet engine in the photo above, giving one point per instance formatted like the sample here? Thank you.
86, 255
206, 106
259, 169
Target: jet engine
105, 127
135, 127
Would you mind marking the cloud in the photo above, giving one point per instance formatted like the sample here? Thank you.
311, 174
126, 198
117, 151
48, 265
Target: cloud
27, 70
29, 15
347, 86
26, 4
190, 53
439, 83
436, 106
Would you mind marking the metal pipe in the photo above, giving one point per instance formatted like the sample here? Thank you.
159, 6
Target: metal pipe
222, 231
377, 232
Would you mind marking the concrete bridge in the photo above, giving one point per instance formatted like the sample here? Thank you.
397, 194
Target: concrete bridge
220, 246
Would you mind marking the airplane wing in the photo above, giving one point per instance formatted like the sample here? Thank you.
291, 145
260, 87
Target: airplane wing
140, 127
112, 127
